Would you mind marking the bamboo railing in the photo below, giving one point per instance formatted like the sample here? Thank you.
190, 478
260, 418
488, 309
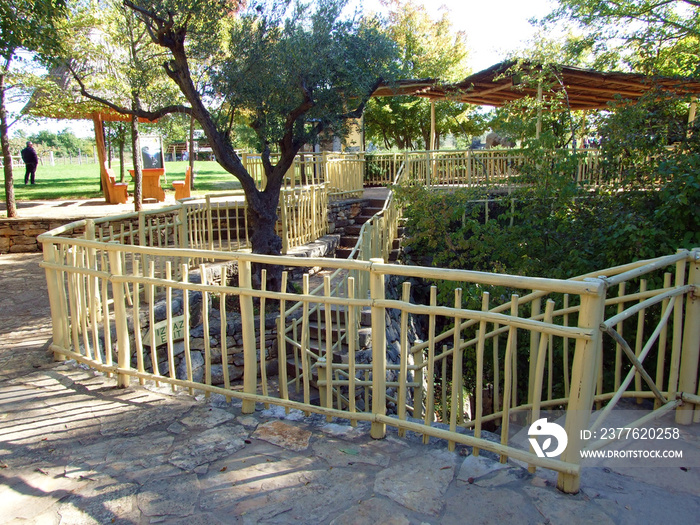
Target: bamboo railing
536, 342
96, 285
342, 171
483, 168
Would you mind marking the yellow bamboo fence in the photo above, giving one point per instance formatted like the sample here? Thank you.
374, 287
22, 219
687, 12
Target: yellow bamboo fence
482, 168
98, 282
342, 171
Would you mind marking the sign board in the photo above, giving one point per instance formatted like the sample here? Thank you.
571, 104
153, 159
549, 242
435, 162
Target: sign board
161, 331
152, 152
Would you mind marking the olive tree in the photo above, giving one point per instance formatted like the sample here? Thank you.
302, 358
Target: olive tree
294, 69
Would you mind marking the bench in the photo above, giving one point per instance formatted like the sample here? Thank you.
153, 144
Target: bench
115, 192
182, 187
150, 183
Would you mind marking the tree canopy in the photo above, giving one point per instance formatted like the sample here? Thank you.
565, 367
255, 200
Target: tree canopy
292, 69
25, 25
653, 36
427, 49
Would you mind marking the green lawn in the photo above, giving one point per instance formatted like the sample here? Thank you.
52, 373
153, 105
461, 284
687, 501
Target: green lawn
82, 181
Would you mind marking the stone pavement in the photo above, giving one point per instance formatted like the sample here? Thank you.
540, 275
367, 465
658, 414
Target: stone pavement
76, 450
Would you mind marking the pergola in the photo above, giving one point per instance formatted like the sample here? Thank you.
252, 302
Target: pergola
586, 89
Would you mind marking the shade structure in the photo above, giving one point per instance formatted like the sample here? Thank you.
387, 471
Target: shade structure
503, 83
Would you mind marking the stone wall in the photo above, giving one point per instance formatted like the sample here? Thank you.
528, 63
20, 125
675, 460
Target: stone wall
19, 235
342, 213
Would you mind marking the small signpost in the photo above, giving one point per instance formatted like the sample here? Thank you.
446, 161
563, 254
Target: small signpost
161, 331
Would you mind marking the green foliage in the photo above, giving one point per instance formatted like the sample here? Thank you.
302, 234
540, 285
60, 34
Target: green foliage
300, 66
64, 143
653, 36
427, 49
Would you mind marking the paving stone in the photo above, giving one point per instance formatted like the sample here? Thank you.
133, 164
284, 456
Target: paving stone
478, 466
341, 453
208, 446
100, 503
374, 510
571, 509
172, 496
419, 484
344, 431
466, 503
283, 435
206, 417
314, 501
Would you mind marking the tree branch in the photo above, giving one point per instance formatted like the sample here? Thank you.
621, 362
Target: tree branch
150, 115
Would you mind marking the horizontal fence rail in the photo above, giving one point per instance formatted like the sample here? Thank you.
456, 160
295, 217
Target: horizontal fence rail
166, 297
469, 168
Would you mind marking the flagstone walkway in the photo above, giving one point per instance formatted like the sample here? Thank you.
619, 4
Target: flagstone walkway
74, 449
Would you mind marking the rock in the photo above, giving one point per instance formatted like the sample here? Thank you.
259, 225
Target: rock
419, 484
283, 435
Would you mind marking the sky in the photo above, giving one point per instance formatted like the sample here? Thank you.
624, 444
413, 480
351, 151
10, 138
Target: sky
493, 30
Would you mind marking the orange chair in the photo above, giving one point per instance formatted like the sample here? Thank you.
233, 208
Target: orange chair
182, 187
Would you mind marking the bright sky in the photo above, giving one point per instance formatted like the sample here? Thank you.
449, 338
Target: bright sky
494, 30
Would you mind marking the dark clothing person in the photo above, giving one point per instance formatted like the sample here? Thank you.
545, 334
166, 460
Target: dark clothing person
31, 161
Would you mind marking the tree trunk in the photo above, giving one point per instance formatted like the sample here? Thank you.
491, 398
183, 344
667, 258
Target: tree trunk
6, 156
262, 215
138, 174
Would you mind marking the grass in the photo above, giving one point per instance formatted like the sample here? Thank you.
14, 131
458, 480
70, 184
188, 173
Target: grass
82, 181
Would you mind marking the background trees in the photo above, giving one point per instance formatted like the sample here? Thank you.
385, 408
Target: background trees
293, 70
25, 25
426, 49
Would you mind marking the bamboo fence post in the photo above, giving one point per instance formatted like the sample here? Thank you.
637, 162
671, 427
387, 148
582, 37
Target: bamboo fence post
456, 404
661, 356
430, 398
583, 380
539, 371
481, 343
619, 328
690, 355
509, 372
138, 343
677, 334
119, 304
169, 323
352, 340
263, 348
378, 430
639, 339
403, 359
534, 345
205, 329
328, 322
250, 361
282, 345
58, 307
304, 340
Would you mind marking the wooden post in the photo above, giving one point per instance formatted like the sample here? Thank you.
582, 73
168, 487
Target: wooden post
690, 355
123, 351
250, 360
583, 381
378, 430
58, 310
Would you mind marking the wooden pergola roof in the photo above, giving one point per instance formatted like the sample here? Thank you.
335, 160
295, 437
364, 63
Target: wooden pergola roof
500, 84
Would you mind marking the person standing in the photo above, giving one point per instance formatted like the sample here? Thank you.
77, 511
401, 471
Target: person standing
31, 161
